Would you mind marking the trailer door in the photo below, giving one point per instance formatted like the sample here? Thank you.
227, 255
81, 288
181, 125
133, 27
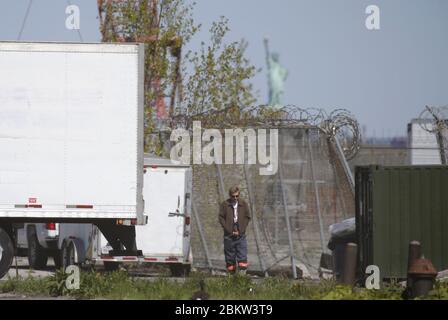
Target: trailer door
164, 193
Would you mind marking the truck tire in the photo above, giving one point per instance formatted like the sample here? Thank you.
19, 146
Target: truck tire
37, 255
6, 252
68, 255
57, 257
180, 270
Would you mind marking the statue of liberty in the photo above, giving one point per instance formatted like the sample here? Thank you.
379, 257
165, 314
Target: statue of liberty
276, 77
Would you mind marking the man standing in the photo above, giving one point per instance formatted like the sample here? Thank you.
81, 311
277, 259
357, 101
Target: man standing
234, 217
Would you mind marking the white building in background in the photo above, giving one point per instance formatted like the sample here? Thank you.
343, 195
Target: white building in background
423, 145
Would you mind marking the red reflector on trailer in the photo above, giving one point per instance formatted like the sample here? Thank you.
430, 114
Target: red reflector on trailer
84, 206
150, 259
171, 259
28, 206
133, 222
129, 258
51, 226
187, 221
79, 206
106, 257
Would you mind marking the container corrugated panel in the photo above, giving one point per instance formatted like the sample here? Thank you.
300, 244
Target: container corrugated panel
395, 205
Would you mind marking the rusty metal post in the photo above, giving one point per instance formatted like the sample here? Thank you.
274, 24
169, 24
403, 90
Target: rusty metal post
423, 274
414, 252
349, 270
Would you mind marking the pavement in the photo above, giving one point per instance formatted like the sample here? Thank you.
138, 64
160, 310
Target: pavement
23, 270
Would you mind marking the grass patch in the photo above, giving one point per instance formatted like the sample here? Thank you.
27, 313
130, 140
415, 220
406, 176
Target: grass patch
119, 285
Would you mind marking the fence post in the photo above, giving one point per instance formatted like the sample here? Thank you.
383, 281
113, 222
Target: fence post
201, 235
288, 223
316, 192
255, 220
349, 271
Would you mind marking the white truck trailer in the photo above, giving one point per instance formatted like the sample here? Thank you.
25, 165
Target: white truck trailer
71, 140
165, 239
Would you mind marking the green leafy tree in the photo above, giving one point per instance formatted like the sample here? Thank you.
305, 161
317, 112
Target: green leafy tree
219, 83
213, 80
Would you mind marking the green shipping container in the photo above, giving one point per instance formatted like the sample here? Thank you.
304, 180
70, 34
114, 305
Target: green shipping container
398, 204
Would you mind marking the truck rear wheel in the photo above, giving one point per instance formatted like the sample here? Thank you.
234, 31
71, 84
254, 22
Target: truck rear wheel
6, 252
57, 257
68, 255
37, 255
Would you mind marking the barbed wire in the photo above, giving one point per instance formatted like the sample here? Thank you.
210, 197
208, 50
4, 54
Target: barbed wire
434, 119
340, 124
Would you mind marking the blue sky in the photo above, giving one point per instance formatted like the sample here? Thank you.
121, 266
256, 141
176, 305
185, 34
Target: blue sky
385, 77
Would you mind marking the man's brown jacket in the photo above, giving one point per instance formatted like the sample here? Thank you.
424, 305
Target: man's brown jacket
226, 216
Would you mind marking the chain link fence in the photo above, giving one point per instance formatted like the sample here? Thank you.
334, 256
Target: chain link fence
291, 209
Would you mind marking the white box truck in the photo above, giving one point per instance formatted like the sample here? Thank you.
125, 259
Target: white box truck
165, 239
71, 139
